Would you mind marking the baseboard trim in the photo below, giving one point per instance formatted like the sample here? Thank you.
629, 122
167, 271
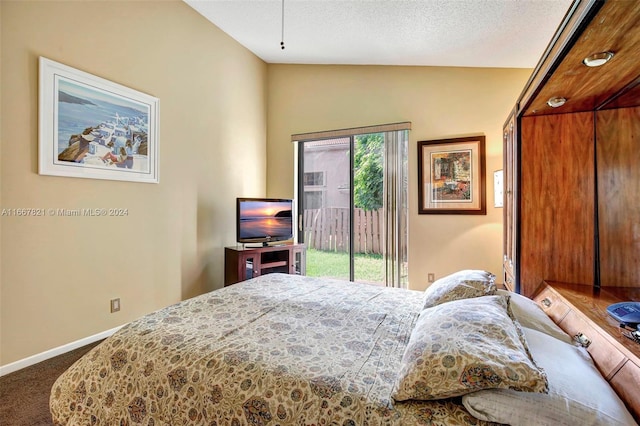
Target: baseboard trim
32, 360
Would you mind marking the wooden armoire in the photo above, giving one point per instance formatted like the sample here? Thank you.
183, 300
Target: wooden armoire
572, 185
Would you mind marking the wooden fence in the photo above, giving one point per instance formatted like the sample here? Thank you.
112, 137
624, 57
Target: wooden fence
328, 229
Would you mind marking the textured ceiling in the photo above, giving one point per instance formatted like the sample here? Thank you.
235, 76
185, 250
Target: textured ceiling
467, 33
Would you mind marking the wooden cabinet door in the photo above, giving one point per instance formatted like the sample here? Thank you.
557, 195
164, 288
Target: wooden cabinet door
510, 207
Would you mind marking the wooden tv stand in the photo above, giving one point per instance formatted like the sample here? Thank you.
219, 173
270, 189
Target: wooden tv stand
242, 263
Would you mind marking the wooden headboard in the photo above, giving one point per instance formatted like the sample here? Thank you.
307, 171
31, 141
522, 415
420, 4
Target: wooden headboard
572, 183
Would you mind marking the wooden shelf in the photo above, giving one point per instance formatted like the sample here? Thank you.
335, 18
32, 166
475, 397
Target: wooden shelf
593, 303
274, 264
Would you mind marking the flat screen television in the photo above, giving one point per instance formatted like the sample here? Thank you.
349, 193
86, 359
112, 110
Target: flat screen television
264, 220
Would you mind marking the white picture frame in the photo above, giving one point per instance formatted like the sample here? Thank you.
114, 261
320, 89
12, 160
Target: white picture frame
498, 189
93, 128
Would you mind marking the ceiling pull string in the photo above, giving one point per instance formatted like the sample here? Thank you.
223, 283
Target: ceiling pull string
282, 38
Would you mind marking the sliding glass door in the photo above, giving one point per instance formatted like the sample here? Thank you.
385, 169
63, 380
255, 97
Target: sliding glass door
352, 202
325, 205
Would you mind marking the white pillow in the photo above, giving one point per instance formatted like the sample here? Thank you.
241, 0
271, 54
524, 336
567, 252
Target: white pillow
530, 315
578, 394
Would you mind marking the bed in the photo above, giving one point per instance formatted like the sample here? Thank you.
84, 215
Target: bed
293, 350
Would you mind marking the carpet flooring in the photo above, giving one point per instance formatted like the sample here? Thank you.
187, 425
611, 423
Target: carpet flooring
24, 394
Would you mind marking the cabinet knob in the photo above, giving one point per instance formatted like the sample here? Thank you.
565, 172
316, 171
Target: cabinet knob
582, 340
546, 302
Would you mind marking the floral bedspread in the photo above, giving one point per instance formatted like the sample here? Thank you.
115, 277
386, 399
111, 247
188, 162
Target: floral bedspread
275, 350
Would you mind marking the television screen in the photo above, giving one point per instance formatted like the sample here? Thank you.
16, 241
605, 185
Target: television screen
264, 220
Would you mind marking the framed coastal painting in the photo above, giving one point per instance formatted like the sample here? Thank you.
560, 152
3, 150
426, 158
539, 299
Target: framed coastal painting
94, 128
451, 176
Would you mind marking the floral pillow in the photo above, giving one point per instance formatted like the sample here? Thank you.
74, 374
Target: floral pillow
465, 346
460, 285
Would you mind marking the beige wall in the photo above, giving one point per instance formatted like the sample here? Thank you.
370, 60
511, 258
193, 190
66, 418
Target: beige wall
58, 274
440, 103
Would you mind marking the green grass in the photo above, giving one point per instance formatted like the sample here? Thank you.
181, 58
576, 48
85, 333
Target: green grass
367, 267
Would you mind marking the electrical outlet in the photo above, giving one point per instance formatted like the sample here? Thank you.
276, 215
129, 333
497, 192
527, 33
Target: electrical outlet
431, 277
115, 305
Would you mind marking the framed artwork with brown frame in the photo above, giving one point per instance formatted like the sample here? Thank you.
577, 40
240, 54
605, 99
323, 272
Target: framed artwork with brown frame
451, 176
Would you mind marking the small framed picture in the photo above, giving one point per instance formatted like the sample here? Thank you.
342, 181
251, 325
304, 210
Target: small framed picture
93, 128
498, 189
451, 176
